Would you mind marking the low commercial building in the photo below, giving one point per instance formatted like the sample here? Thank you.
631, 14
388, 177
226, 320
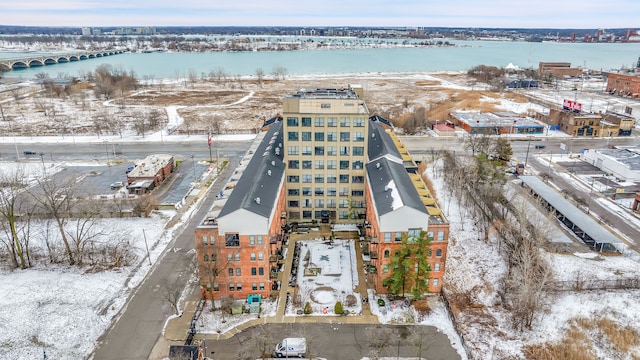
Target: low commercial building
497, 123
624, 164
579, 124
155, 168
624, 84
558, 69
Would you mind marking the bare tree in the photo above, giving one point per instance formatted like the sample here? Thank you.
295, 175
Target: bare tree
84, 231
57, 201
172, 290
213, 264
261, 343
12, 186
379, 339
260, 76
279, 73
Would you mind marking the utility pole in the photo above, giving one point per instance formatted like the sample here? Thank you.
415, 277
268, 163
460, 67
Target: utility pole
590, 193
526, 157
147, 246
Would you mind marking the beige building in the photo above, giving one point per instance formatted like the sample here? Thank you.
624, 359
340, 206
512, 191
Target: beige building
325, 132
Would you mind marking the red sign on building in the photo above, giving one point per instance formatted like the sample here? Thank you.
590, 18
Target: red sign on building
572, 105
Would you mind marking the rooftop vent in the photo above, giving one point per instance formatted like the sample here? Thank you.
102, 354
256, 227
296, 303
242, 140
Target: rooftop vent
269, 172
378, 166
277, 151
258, 200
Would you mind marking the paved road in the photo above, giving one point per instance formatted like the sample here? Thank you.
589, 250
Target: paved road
136, 331
336, 341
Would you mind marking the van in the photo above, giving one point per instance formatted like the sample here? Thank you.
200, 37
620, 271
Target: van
291, 347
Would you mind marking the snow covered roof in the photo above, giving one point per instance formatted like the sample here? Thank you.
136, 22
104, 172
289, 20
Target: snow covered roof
381, 144
257, 188
599, 234
391, 187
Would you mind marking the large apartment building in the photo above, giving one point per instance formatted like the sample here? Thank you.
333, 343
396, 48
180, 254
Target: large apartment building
325, 133
324, 160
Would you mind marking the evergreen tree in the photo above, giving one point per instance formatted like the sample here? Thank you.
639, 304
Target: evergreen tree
410, 266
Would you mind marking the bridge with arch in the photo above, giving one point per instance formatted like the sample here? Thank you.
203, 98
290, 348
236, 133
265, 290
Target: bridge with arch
36, 60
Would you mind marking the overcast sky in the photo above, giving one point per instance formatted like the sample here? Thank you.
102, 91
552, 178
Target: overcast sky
441, 13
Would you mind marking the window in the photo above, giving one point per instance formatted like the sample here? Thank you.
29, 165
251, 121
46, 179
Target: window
385, 268
319, 136
262, 286
439, 253
429, 253
358, 150
436, 267
386, 253
357, 165
254, 286
331, 191
319, 178
294, 215
387, 237
254, 271
216, 287
306, 150
306, 191
357, 179
357, 192
260, 271
306, 203
259, 239
260, 256
344, 191
332, 136
212, 240
319, 203
306, 214
306, 121
318, 214
344, 150
230, 272
292, 121
232, 287
252, 240
238, 272
252, 257
331, 204
293, 192
345, 122
319, 121
214, 257
435, 282
344, 214
332, 121
204, 240
229, 257
344, 164
319, 150
306, 164
232, 240
319, 191
344, 203
294, 164
239, 287
331, 164
205, 257
398, 236
306, 178
292, 150
358, 136
413, 233
344, 136
306, 136
292, 136
331, 178
293, 178
440, 235
332, 150
237, 256
319, 164
344, 179
358, 122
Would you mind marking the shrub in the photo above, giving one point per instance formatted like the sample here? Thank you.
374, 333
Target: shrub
338, 308
307, 308
351, 300
380, 302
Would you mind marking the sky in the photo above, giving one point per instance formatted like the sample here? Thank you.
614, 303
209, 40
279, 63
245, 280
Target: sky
428, 13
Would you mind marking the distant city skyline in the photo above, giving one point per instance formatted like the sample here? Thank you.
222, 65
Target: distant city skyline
412, 13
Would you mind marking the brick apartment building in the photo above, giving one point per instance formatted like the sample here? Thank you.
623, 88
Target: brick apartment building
324, 160
624, 84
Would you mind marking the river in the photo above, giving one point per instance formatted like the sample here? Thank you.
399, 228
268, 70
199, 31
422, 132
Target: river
369, 60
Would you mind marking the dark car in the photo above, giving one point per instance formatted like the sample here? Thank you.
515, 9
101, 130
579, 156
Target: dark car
540, 146
29, 152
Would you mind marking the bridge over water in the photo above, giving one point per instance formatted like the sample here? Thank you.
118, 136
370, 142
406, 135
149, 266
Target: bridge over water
35, 60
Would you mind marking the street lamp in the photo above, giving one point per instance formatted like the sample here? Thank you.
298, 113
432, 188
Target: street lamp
44, 168
194, 168
526, 157
590, 193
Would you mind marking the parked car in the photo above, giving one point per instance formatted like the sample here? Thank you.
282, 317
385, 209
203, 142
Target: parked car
540, 146
29, 152
116, 185
130, 169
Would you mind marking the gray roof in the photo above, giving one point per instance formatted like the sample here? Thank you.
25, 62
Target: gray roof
629, 157
589, 226
257, 188
380, 143
381, 173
